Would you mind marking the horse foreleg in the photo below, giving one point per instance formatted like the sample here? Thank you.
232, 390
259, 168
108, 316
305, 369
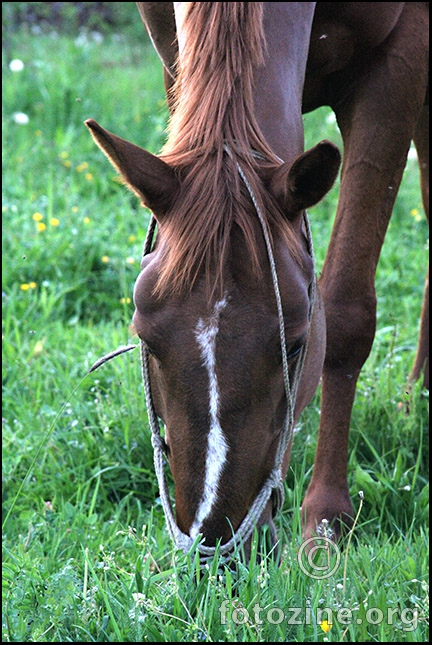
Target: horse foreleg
158, 18
377, 114
348, 290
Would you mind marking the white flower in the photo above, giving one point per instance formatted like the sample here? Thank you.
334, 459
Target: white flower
140, 598
20, 118
16, 65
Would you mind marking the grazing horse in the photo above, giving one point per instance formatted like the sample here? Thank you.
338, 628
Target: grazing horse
235, 331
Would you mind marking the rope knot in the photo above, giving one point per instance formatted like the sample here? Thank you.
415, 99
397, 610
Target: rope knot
275, 480
275, 477
159, 443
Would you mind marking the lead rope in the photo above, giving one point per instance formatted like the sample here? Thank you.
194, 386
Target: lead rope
274, 483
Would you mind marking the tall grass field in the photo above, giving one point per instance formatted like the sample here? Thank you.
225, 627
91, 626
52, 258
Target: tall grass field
86, 555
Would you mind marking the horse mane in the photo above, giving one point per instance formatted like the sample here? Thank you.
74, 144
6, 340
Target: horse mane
213, 110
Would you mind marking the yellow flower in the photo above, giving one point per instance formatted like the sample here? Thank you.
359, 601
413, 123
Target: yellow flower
64, 154
54, 221
38, 348
89, 176
125, 301
131, 238
28, 285
75, 209
416, 214
67, 163
37, 217
40, 226
130, 260
82, 166
38, 133
86, 220
105, 259
326, 626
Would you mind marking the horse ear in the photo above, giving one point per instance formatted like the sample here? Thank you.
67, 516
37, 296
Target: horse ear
153, 180
304, 183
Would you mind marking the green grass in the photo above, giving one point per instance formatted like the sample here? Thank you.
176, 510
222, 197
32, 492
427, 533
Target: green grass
86, 556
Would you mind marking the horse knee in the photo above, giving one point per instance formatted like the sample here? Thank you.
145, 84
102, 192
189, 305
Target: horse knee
350, 332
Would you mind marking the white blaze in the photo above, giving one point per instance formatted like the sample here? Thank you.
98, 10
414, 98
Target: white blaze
217, 446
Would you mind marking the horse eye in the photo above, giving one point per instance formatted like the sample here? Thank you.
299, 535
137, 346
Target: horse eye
295, 351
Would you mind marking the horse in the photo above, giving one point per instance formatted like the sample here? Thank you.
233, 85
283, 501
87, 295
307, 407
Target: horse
236, 331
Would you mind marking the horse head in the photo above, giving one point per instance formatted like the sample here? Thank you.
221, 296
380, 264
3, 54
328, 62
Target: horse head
213, 342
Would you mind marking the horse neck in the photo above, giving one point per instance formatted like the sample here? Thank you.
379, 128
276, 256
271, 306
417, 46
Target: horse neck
260, 84
279, 83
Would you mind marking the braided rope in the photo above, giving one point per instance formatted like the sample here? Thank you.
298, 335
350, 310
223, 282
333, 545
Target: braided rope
274, 482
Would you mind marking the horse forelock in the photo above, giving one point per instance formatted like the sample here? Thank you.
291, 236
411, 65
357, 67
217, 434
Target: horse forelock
213, 99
